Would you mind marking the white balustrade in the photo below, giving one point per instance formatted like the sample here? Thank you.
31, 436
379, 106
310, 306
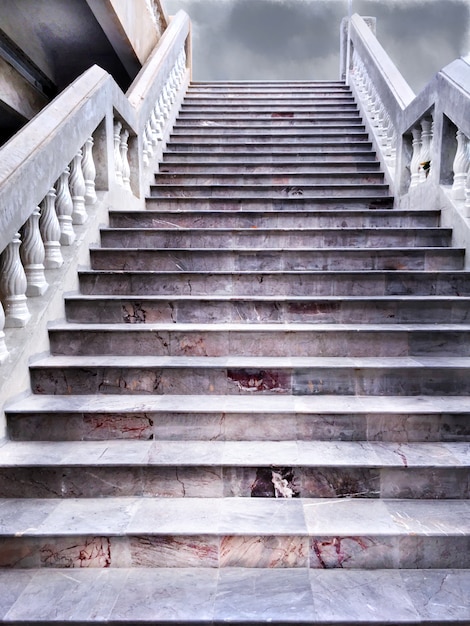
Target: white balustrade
32, 255
425, 155
13, 285
126, 170
50, 232
3, 346
64, 209
117, 152
415, 157
89, 172
77, 190
461, 166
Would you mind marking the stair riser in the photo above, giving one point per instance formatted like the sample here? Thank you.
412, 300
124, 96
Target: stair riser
315, 552
194, 97
136, 340
271, 239
216, 481
291, 203
270, 192
274, 219
289, 284
309, 159
255, 312
194, 380
304, 130
269, 261
182, 181
278, 125
322, 149
318, 138
297, 168
225, 426
289, 107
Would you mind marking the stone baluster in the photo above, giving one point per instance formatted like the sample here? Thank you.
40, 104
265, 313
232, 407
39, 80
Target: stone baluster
117, 152
467, 192
126, 170
153, 124
148, 133
460, 166
64, 208
13, 286
145, 148
32, 255
89, 172
416, 156
50, 232
425, 156
161, 106
158, 122
77, 190
3, 346
166, 102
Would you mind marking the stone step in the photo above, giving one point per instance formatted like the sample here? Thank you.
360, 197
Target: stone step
214, 597
340, 158
370, 203
397, 419
240, 469
287, 137
283, 84
178, 237
272, 259
199, 166
264, 340
239, 115
291, 283
307, 106
274, 96
238, 375
286, 218
311, 534
317, 150
273, 309
247, 124
271, 191
274, 129
222, 180
286, 101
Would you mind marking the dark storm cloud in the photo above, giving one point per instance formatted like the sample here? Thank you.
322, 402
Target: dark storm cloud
299, 39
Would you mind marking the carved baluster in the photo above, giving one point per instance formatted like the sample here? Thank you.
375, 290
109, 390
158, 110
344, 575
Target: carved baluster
89, 171
145, 148
77, 190
166, 102
32, 255
460, 166
50, 232
117, 152
161, 104
3, 347
415, 159
148, 133
126, 170
153, 127
425, 157
64, 208
159, 122
13, 286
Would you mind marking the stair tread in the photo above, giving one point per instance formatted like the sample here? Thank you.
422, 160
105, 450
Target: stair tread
321, 517
327, 404
261, 327
273, 298
210, 596
161, 453
250, 362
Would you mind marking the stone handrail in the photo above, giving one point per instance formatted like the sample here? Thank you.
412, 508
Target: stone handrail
423, 141
91, 138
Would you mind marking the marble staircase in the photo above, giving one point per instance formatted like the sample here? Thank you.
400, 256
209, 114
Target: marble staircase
257, 407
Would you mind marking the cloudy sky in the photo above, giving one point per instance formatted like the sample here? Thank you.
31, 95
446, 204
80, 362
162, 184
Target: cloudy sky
299, 39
